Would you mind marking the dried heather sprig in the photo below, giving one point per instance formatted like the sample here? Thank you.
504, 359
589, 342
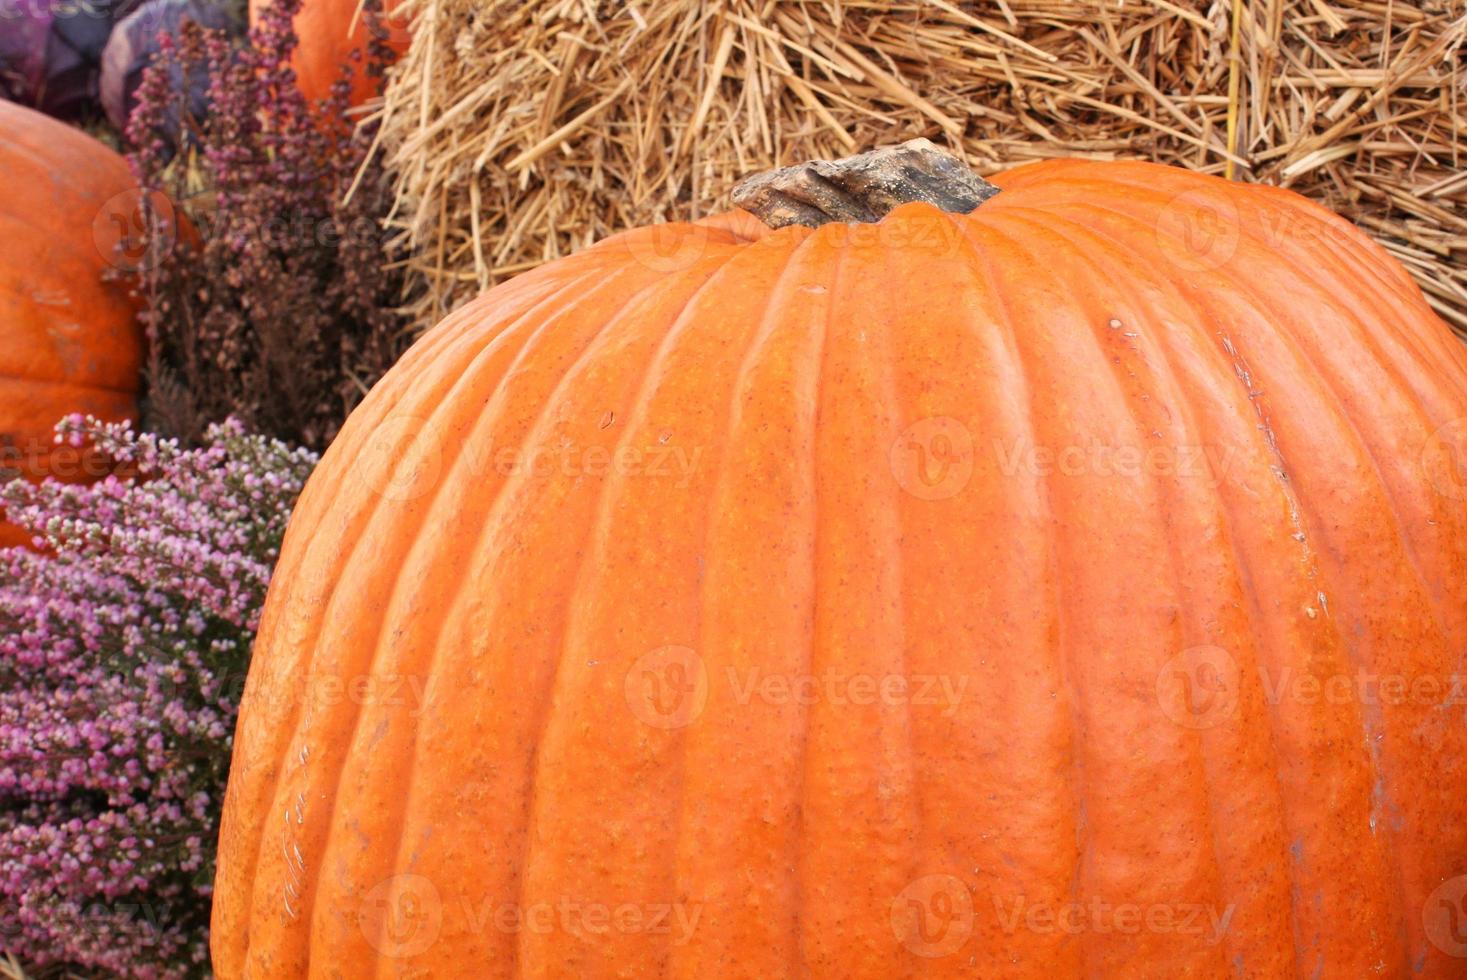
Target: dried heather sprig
279, 304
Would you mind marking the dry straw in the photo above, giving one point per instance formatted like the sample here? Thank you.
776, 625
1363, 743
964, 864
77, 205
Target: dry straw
520, 131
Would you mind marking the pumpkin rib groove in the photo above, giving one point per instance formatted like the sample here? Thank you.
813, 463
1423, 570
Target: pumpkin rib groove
1166, 367
769, 322
1152, 193
983, 269
1049, 216
1355, 249
592, 538
429, 505
1050, 254
556, 643
810, 371
1424, 359
1371, 342
1156, 380
1041, 721
1346, 418
1325, 397
490, 419
822, 358
1427, 349
1328, 388
1380, 727
635, 388
865, 749
1370, 723
489, 504
1411, 341
1252, 669
1412, 396
884, 352
980, 272
311, 884
372, 410
902, 338
1414, 401
1409, 397
1337, 642
1364, 252
304, 523
817, 393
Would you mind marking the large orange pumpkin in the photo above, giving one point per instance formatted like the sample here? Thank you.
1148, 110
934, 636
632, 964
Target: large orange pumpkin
327, 32
69, 337
1072, 587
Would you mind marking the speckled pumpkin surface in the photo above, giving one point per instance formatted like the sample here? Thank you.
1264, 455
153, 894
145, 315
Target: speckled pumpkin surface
1070, 588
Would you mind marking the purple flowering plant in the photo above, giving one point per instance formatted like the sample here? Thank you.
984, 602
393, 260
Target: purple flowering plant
265, 263
124, 640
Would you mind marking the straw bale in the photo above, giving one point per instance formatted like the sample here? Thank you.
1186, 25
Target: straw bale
521, 131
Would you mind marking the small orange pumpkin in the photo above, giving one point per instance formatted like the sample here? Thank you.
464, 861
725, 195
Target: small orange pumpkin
327, 32
1068, 582
69, 337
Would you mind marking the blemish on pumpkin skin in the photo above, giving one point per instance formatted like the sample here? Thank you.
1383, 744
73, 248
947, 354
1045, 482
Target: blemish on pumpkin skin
56, 297
380, 732
1279, 467
295, 861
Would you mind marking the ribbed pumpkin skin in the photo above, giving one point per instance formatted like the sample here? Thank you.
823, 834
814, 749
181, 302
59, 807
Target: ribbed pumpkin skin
328, 31
500, 629
69, 341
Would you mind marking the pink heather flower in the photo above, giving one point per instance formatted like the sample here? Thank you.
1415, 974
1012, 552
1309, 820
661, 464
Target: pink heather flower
120, 645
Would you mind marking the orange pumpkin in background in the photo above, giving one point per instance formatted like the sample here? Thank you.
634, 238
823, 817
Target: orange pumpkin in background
69, 338
327, 32
1064, 582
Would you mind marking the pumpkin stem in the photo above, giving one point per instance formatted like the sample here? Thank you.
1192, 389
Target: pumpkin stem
862, 188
